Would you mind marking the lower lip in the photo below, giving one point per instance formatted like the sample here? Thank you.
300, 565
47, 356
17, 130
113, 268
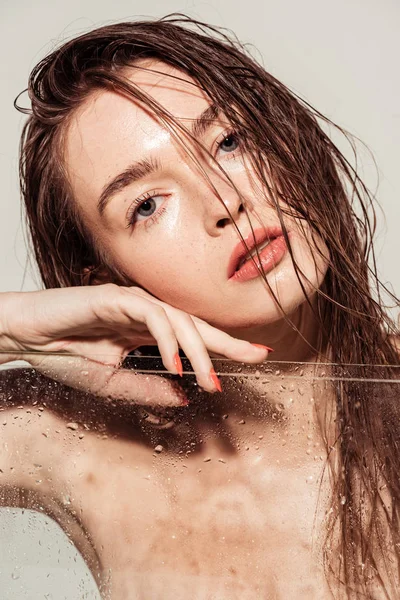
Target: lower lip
270, 257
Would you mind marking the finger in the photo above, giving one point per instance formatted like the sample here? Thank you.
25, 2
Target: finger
225, 345
106, 381
215, 340
195, 349
190, 341
159, 327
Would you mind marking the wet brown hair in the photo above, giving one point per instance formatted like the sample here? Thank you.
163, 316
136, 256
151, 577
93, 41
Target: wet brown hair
294, 160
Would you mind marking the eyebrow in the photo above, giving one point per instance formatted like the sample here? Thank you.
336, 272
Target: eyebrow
148, 166
204, 121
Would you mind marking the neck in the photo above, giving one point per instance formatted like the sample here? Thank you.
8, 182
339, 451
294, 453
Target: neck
297, 339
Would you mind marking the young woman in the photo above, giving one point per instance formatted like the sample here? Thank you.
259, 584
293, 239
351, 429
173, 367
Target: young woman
178, 195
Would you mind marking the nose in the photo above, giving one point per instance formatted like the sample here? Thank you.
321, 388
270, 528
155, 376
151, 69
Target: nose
221, 211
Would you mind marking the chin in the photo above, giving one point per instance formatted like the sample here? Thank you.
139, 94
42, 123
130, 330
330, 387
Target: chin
249, 315
255, 308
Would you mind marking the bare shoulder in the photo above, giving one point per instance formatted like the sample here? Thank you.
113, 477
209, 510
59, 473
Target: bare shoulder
32, 456
58, 458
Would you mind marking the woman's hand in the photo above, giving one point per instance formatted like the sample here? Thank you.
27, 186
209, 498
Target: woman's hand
97, 326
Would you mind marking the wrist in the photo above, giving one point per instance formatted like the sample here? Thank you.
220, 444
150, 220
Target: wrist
8, 337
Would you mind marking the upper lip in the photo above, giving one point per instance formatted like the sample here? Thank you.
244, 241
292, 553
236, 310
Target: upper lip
260, 235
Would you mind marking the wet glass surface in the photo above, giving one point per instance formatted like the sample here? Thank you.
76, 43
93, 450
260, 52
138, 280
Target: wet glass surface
224, 498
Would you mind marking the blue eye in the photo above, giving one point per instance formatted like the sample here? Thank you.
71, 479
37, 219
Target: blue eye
230, 143
145, 208
148, 207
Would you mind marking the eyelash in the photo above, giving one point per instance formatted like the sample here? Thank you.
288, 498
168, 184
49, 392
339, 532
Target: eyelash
148, 195
137, 203
222, 138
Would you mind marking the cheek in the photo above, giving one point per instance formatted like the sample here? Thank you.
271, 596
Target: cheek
155, 270
311, 255
165, 270
178, 279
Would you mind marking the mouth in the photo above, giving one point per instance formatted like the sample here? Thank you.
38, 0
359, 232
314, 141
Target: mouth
258, 241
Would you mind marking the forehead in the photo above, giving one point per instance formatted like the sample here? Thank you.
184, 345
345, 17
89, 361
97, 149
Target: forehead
108, 130
166, 85
105, 113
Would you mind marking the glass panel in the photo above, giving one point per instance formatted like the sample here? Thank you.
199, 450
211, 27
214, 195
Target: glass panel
223, 498
38, 560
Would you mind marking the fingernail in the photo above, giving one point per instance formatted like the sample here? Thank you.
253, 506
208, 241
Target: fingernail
178, 364
215, 380
263, 347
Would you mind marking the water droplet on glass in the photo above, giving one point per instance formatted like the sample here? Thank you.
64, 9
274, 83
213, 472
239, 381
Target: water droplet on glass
73, 426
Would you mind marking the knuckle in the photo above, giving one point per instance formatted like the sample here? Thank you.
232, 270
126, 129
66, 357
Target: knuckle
158, 311
186, 320
110, 288
137, 291
106, 302
186, 317
108, 294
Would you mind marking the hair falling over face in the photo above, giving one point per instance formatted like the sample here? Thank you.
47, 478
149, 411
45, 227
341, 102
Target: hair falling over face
295, 163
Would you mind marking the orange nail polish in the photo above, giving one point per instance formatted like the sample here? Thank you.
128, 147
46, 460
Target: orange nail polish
263, 347
215, 380
178, 364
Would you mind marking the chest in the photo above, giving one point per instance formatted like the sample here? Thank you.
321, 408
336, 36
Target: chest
210, 527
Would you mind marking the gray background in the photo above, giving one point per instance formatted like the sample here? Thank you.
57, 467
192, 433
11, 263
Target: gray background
340, 56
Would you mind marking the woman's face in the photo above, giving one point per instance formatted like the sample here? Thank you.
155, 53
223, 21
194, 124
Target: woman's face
162, 223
